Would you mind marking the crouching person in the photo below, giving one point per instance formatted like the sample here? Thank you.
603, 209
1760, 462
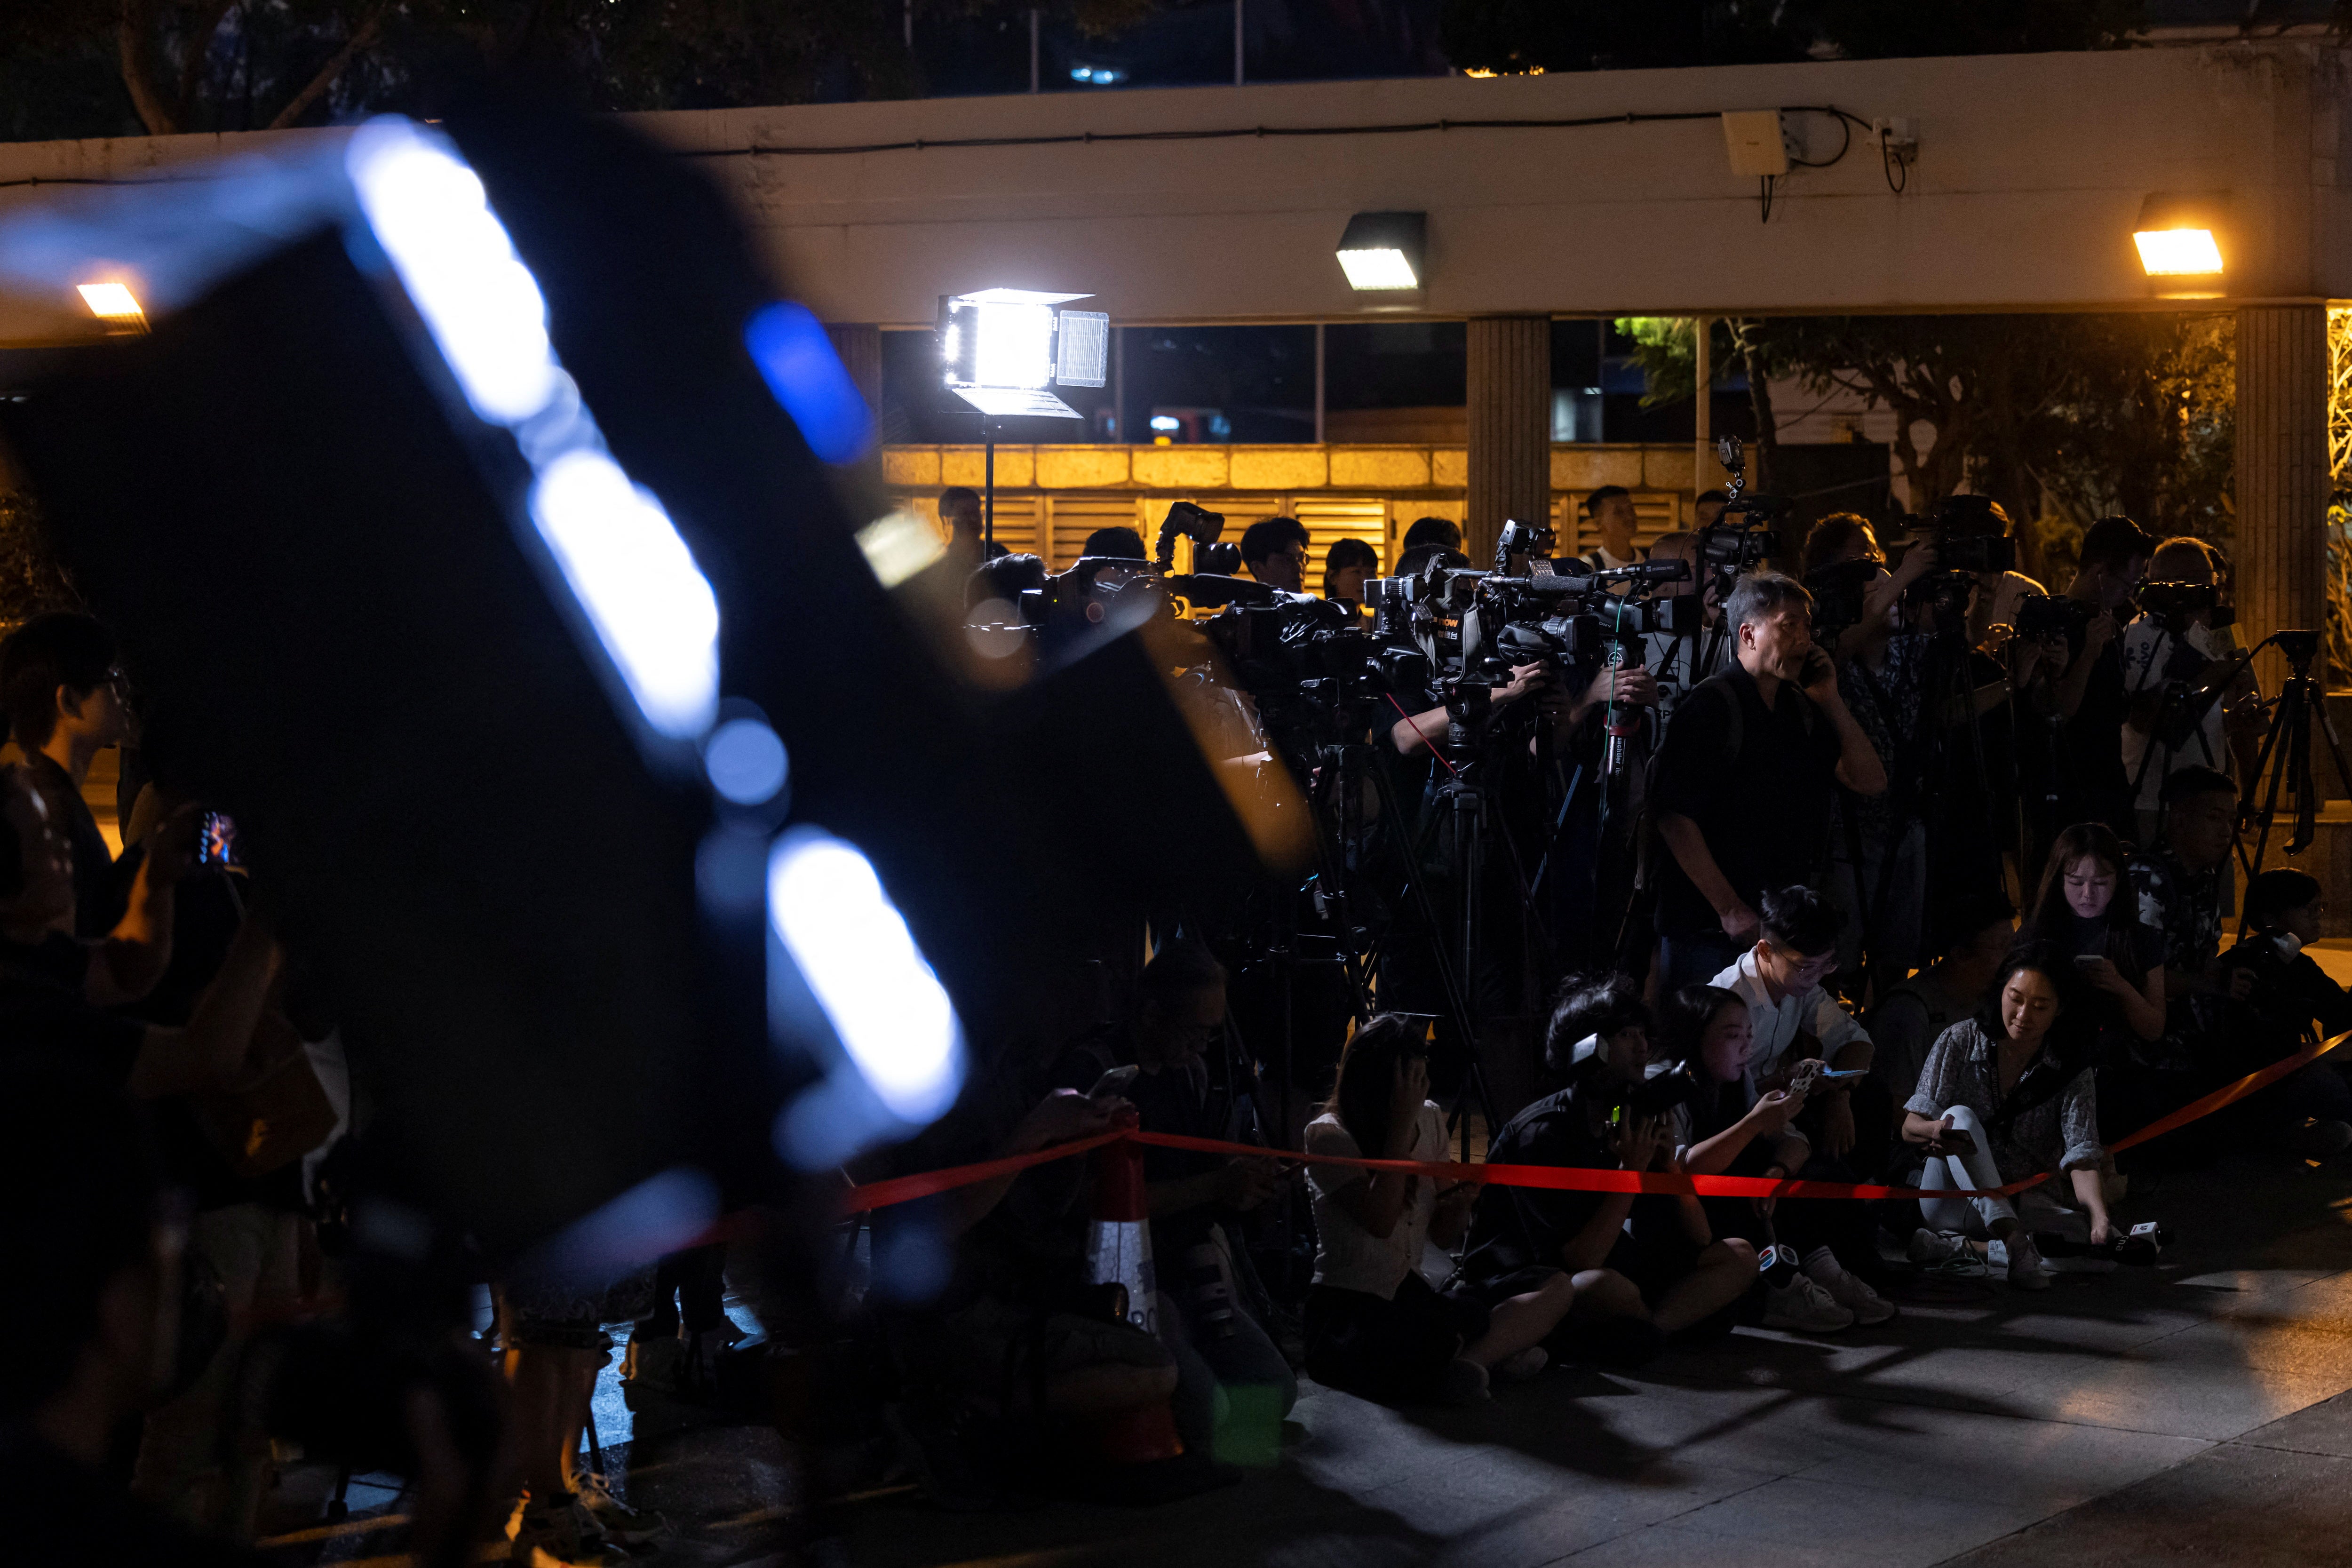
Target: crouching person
1374, 1324
1646, 1269
2005, 1095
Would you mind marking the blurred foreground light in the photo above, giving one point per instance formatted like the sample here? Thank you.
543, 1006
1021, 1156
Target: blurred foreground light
797, 360
746, 762
663, 1214
1383, 250
861, 963
652, 608
898, 545
114, 304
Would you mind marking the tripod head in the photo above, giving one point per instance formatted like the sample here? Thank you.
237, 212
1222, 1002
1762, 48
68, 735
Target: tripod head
2301, 648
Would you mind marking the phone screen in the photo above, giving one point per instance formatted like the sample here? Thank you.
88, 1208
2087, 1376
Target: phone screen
216, 841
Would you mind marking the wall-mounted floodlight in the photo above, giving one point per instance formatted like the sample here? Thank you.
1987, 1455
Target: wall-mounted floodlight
2179, 236
1004, 347
114, 304
1385, 250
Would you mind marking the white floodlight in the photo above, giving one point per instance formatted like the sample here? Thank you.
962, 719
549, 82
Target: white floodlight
1383, 251
2178, 236
1004, 347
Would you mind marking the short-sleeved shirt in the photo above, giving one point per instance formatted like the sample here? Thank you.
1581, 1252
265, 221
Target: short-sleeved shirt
45, 1018
1778, 1025
1762, 809
1520, 1228
2148, 652
1347, 1255
2060, 1133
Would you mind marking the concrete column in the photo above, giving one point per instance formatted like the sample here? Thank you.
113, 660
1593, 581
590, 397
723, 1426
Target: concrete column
1510, 429
2280, 552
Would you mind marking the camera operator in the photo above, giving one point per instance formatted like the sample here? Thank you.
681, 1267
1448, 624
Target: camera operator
2167, 649
1878, 844
1646, 1268
2276, 995
1995, 602
960, 509
1274, 552
1742, 785
1344, 566
2091, 781
1706, 510
1610, 509
1119, 544
1430, 532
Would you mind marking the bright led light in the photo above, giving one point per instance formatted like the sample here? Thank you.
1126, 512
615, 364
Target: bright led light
2166, 252
861, 962
481, 304
1378, 269
651, 608
1014, 346
1165, 422
112, 302
746, 762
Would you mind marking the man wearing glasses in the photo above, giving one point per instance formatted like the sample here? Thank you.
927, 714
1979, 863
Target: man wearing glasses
1274, 552
65, 701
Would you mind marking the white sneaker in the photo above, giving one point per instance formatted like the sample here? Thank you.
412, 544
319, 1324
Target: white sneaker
1802, 1307
564, 1536
1521, 1365
1464, 1383
2026, 1269
1852, 1293
629, 1526
1936, 1246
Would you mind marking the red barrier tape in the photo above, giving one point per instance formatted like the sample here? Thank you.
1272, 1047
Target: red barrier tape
1567, 1178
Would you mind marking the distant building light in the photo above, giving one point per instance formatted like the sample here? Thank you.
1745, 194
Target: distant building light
1099, 76
1165, 422
1383, 250
2178, 236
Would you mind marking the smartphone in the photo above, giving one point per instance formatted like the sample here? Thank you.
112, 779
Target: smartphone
216, 841
1959, 1139
1833, 1075
2088, 960
1113, 1083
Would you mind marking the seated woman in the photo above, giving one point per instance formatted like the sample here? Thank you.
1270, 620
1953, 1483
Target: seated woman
1374, 1326
1706, 1032
2077, 913
2003, 1098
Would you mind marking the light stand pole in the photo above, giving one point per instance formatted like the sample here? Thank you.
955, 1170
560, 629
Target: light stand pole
988, 484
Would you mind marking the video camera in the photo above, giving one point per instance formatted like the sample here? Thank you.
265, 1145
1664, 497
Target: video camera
1837, 590
1202, 527
2051, 615
1966, 534
1745, 533
2173, 606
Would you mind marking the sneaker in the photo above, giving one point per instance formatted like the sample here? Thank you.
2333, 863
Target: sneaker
565, 1536
629, 1526
2026, 1269
1464, 1382
1852, 1293
1521, 1365
1802, 1307
1937, 1247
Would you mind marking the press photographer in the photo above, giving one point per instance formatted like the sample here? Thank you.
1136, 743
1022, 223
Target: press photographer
2092, 700
2170, 654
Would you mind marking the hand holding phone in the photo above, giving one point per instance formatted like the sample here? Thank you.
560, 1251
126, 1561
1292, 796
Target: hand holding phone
1114, 1083
1956, 1140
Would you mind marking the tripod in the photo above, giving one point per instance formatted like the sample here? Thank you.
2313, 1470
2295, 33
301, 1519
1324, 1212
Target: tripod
2285, 751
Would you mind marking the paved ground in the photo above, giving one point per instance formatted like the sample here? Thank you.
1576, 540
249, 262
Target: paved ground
2188, 1413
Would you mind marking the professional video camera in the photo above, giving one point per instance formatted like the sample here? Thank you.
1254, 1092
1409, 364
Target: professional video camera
2172, 606
1966, 535
1531, 541
1202, 526
1837, 589
1745, 533
2051, 614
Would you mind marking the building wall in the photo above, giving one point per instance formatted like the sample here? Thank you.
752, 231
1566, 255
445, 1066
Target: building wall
1048, 498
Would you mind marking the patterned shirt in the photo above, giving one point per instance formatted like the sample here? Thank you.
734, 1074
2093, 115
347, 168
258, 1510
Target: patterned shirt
1886, 704
1964, 1070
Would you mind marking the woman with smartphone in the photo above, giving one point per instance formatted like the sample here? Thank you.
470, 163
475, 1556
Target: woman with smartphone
2121, 960
2001, 1099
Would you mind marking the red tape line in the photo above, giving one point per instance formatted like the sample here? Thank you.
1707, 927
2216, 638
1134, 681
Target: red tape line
1564, 1178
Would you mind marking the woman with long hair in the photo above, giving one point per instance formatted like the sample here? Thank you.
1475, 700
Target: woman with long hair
2079, 913
2005, 1095
1374, 1325
1705, 1033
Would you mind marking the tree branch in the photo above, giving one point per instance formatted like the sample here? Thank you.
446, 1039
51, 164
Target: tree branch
193, 51
301, 101
131, 48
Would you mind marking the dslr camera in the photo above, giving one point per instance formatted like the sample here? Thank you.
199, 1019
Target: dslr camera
1202, 527
2051, 615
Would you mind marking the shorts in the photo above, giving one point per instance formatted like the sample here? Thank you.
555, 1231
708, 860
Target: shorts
1391, 1349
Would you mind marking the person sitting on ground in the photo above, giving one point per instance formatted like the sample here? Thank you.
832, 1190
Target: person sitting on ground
2004, 1098
1374, 1325
2079, 913
1795, 1019
2277, 993
1199, 1200
1912, 1014
1346, 565
64, 700
1275, 550
1665, 1276
1743, 782
1432, 532
1726, 1127
1117, 543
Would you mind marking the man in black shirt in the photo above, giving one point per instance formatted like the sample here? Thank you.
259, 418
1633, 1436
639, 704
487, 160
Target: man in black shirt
1743, 783
2091, 784
61, 692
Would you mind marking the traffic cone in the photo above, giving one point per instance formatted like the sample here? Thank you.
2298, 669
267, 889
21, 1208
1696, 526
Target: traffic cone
1119, 1253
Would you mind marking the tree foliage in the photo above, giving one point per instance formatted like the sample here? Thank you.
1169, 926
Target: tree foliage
1515, 36
30, 578
2061, 418
97, 68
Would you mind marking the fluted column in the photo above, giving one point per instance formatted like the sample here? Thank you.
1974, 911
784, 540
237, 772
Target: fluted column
2282, 461
1510, 427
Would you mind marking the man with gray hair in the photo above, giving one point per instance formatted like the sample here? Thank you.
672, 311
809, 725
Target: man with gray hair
1742, 788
